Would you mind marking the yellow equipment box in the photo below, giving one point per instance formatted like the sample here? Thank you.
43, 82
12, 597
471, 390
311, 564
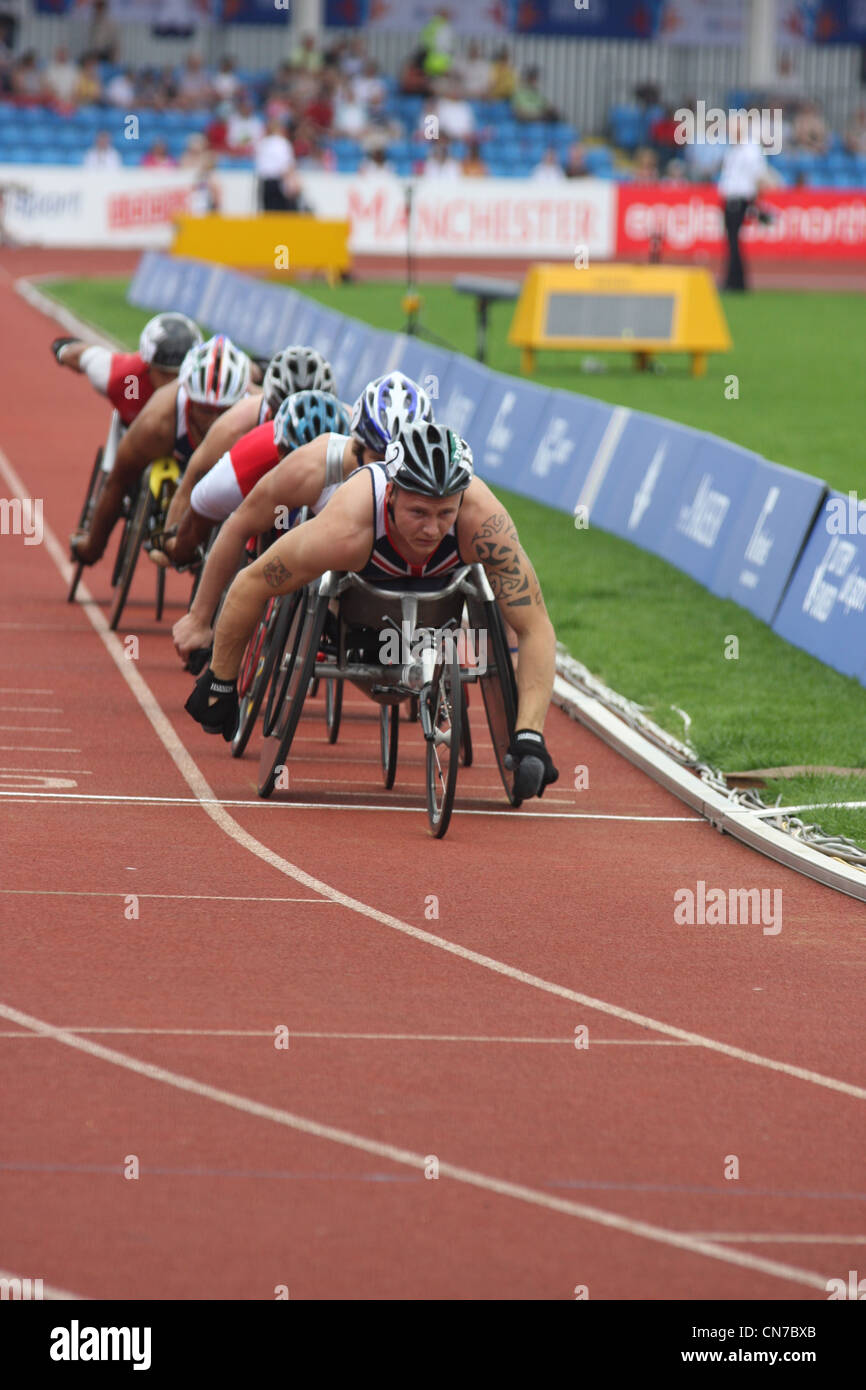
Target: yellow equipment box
642, 309
287, 241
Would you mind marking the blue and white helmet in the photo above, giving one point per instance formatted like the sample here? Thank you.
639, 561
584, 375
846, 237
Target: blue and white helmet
305, 415
386, 407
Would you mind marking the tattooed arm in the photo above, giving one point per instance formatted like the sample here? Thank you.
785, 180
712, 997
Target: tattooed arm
339, 538
487, 534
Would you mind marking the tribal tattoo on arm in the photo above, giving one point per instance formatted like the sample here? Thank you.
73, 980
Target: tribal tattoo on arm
511, 576
275, 574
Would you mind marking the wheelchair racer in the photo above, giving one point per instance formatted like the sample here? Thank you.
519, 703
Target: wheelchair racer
417, 517
305, 477
213, 377
129, 379
242, 434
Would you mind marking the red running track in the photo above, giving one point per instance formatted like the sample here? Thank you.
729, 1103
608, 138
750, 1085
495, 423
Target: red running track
150, 1038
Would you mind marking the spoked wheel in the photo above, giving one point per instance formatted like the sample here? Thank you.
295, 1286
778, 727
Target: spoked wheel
498, 691
256, 667
94, 487
389, 737
286, 640
306, 639
333, 707
442, 718
145, 505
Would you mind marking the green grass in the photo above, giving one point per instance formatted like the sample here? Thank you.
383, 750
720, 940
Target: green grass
638, 623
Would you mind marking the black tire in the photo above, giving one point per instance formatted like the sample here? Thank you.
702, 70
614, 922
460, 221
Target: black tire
499, 693
160, 593
466, 741
94, 487
286, 641
256, 667
276, 746
412, 709
443, 732
389, 737
333, 708
135, 534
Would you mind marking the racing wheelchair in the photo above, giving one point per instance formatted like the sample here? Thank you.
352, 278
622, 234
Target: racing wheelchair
333, 631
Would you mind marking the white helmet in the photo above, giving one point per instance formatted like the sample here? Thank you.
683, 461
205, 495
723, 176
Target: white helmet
216, 373
296, 369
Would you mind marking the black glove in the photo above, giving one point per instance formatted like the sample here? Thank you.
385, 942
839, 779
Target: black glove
531, 763
62, 343
215, 705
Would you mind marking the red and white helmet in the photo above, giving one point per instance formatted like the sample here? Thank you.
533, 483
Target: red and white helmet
216, 373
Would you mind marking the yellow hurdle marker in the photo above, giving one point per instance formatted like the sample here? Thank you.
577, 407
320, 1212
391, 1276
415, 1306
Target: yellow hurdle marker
286, 241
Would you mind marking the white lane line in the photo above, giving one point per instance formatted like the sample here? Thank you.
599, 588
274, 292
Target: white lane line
32, 729
20, 689
66, 771
198, 785
31, 709
787, 1239
181, 897
348, 1037
49, 1291
406, 1157
33, 748
331, 806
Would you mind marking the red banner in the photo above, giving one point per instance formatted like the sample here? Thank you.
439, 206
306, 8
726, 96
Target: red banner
807, 222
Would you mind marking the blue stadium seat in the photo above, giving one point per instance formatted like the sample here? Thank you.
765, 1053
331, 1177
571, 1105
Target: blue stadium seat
29, 115
599, 159
348, 163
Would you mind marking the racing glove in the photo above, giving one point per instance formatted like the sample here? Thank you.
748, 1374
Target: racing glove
214, 704
531, 764
60, 343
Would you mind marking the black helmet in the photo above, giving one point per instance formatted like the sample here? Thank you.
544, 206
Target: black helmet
429, 459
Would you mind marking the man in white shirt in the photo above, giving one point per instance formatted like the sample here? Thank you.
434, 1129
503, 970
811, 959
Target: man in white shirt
275, 170
120, 91
440, 163
61, 77
549, 170
744, 175
102, 154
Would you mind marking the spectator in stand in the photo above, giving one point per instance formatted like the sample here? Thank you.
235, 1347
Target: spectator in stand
306, 58
646, 166
158, 157
474, 72
576, 166
810, 130
217, 132
529, 102
855, 135
103, 35
350, 116
369, 86
549, 170
88, 92
663, 138
455, 117
472, 166
381, 126
27, 80
353, 57
647, 94
437, 43
244, 129
440, 163
414, 81
280, 99
320, 111
376, 164
196, 146
120, 91
503, 77
205, 195
310, 153
102, 154
195, 88
278, 189
61, 78
226, 83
